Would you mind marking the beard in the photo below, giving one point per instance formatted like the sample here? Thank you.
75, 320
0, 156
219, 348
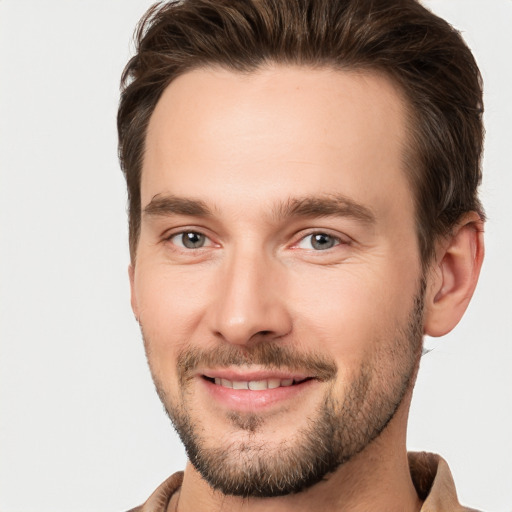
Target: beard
339, 428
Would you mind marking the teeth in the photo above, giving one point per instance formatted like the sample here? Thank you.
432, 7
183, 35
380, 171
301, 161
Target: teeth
226, 383
257, 385
273, 383
254, 385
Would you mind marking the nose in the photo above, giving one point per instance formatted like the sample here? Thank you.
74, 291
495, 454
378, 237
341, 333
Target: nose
250, 304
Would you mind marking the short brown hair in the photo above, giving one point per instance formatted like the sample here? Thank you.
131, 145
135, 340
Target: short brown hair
420, 52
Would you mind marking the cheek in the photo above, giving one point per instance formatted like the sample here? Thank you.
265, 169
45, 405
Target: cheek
168, 298
350, 311
171, 306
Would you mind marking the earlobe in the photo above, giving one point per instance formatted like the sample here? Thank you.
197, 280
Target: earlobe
133, 300
454, 275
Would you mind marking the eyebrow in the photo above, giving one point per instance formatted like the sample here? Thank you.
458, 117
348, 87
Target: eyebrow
164, 205
334, 205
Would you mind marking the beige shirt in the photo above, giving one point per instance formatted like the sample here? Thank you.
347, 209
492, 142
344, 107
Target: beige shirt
429, 472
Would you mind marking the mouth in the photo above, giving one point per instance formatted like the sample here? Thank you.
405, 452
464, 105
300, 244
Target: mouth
256, 385
254, 390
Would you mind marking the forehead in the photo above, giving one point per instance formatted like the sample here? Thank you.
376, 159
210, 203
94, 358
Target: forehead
292, 130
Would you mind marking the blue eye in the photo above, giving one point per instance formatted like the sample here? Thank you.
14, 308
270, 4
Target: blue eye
189, 240
318, 242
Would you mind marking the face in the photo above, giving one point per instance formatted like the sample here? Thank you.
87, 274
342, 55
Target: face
278, 281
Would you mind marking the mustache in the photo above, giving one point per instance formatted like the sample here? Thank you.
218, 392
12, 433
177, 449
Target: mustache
267, 354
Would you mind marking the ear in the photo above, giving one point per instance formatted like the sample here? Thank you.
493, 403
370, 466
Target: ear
133, 299
453, 276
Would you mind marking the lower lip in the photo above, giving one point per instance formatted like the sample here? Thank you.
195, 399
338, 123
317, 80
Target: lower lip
250, 400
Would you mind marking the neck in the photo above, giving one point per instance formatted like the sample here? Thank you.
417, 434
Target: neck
378, 478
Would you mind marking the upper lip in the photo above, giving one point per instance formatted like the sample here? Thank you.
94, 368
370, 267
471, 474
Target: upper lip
253, 375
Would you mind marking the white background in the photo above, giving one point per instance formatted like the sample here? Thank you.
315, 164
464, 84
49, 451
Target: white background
81, 428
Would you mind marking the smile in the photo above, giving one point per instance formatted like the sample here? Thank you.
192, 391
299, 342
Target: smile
253, 390
255, 385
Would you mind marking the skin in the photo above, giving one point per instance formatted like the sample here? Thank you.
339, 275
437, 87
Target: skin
245, 146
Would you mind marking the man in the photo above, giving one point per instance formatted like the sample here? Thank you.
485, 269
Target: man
302, 180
